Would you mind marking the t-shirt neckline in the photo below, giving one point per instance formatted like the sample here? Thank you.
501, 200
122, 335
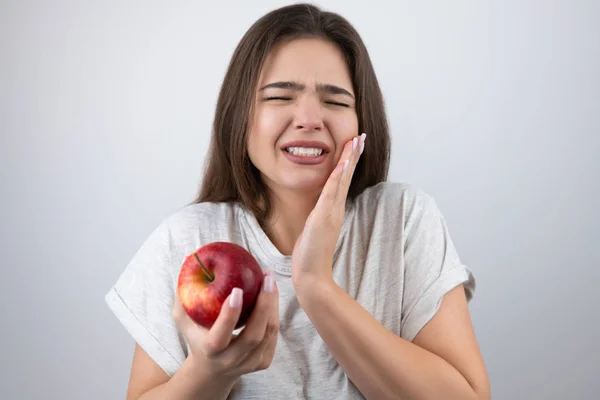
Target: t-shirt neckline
278, 262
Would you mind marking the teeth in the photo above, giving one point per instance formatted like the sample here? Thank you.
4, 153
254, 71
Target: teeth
304, 151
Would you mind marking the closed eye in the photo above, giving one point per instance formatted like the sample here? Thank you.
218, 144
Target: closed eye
277, 98
335, 103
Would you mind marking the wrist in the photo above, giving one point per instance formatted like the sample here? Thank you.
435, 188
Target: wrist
200, 376
314, 292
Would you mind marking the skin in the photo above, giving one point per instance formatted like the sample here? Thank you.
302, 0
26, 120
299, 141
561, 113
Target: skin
443, 361
309, 210
286, 114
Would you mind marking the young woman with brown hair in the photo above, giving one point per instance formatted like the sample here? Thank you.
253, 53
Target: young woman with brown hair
364, 295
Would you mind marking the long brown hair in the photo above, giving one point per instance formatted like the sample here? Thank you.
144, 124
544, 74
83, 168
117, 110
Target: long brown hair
229, 174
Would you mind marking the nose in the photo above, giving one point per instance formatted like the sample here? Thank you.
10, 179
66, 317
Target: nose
308, 115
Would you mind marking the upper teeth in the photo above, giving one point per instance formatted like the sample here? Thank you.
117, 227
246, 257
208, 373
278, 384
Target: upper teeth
305, 151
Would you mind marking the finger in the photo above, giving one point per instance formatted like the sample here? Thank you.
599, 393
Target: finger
273, 333
262, 356
275, 314
346, 179
221, 333
269, 351
252, 360
273, 322
254, 331
330, 189
349, 148
329, 194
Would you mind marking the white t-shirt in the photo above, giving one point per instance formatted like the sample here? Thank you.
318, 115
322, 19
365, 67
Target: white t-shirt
394, 256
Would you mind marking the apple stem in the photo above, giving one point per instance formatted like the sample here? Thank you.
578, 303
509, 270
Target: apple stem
207, 273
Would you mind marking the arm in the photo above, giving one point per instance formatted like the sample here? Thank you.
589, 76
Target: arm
148, 381
442, 362
217, 358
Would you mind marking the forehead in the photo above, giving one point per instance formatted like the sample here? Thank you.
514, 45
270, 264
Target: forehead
308, 61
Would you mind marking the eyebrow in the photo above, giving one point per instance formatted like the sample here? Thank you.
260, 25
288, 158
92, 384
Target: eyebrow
323, 88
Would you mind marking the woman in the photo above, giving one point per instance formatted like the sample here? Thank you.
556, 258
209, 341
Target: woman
364, 294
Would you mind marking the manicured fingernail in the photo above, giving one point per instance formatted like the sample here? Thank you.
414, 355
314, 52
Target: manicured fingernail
362, 148
345, 165
235, 301
354, 142
269, 284
362, 138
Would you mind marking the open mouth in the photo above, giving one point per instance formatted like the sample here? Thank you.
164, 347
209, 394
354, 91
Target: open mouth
304, 151
305, 155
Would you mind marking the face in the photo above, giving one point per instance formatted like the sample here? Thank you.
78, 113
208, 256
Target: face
304, 113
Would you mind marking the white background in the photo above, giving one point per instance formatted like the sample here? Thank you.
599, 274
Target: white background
105, 115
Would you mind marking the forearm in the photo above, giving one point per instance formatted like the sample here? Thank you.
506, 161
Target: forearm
379, 363
187, 384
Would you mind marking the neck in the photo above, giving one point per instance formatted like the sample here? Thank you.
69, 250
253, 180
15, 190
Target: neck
290, 211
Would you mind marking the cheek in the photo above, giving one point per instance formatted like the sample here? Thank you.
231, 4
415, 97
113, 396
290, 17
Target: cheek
267, 127
344, 128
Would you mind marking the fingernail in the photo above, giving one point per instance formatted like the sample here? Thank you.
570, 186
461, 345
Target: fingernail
362, 148
269, 284
235, 301
354, 142
363, 137
345, 165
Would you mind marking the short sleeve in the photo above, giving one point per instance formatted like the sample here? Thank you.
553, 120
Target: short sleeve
432, 266
142, 300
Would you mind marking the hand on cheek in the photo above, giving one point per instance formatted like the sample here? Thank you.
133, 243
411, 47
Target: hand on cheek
312, 258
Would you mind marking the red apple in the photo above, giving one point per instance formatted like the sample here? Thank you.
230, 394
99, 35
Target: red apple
209, 274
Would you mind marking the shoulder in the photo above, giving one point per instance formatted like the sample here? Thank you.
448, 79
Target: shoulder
191, 220
396, 197
196, 213
397, 208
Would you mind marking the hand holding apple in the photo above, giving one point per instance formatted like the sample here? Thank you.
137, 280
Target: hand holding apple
223, 355
208, 276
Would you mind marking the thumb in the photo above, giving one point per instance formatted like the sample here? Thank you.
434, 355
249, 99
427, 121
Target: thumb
221, 333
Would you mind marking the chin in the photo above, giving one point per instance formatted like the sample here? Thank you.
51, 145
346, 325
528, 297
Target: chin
306, 185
